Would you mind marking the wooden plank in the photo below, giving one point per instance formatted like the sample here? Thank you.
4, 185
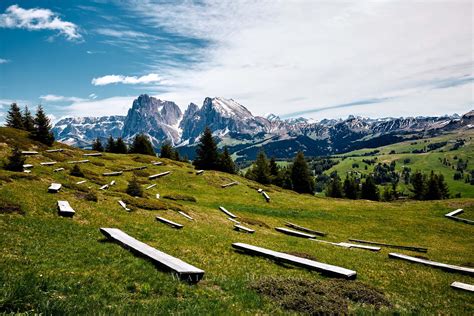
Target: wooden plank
462, 286
29, 152
54, 150
158, 175
157, 163
349, 245
112, 182
199, 172
460, 219
227, 212
135, 168
122, 204
233, 220
104, 187
168, 222
455, 212
111, 174
434, 264
92, 155
413, 248
64, 209
304, 229
260, 190
54, 187
324, 268
229, 184
186, 215
158, 196
27, 171
244, 229
265, 195
27, 166
150, 186
294, 232
78, 161
182, 269
48, 163
81, 182
58, 169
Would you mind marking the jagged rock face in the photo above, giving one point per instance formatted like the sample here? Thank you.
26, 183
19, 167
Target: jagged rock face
222, 116
159, 119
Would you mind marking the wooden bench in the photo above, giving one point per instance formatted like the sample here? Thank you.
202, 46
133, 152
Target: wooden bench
413, 248
227, 212
265, 195
304, 229
58, 169
178, 267
185, 215
294, 232
135, 168
27, 166
64, 209
92, 155
150, 186
81, 182
122, 204
462, 286
454, 216
158, 175
78, 161
348, 245
298, 261
29, 152
54, 187
199, 172
157, 163
260, 190
239, 227
48, 163
27, 171
168, 222
111, 174
233, 220
54, 150
104, 187
229, 184
434, 264
112, 182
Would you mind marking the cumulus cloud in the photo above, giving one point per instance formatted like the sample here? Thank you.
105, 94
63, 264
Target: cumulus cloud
111, 79
4, 61
38, 19
60, 98
100, 107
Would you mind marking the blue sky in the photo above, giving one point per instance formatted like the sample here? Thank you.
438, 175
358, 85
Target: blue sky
317, 59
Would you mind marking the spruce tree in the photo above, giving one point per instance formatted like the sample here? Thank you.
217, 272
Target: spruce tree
142, 145
369, 189
301, 177
97, 145
443, 187
206, 152
274, 169
76, 171
14, 118
175, 155
134, 188
110, 147
42, 131
418, 185
334, 188
166, 150
260, 171
28, 120
15, 161
351, 188
226, 164
433, 191
120, 146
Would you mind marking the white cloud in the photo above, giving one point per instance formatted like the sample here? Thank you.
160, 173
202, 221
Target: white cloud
92, 96
4, 61
38, 19
286, 56
109, 106
60, 98
110, 79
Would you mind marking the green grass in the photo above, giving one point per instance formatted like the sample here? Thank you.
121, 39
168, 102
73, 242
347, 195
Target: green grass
55, 265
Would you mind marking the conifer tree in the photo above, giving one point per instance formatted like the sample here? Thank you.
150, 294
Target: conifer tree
110, 147
226, 164
260, 171
206, 153
142, 145
134, 188
274, 169
369, 189
42, 131
76, 171
15, 161
334, 188
28, 120
97, 145
418, 185
120, 146
351, 188
175, 155
301, 177
443, 187
166, 150
14, 118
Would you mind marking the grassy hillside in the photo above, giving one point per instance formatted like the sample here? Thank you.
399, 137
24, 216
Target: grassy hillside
51, 264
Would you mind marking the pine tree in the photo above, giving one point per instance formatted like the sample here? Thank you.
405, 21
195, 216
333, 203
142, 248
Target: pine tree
443, 187
226, 164
351, 188
301, 177
142, 145
110, 147
76, 171
175, 155
260, 171
274, 169
334, 188
28, 120
433, 191
42, 131
166, 150
134, 188
418, 185
97, 145
120, 146
15, 161
206, 153
369, 189
14, 118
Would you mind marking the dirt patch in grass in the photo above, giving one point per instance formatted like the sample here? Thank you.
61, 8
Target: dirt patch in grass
7, 207
98, 163
252, 221
301, 255
180, 197
141, 173
88, 196
319, 297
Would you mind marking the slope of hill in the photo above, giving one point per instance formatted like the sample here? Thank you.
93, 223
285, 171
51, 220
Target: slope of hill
55, 265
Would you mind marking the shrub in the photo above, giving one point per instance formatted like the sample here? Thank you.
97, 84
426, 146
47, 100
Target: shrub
134, 188
15, 161
76, 172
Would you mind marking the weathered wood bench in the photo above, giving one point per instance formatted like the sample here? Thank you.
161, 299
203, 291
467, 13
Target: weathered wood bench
304, 229
54, 150
323, 268
156, 163
294, 232
462, 286
413, 248
104, 187
112, 182
27, 171
239, 227
454, 216
29, 152
58, 169
199, 172
229, 184
54, 187
78, 161
27, 166
348, 245
260, 190
178, 267
150, 186
92, 155
122, 204
48, 163
135, 168
434, 264
158, 196
64, 209
81, 182
168, 222
266, 196
227, 212
158, 175
233, 220
111, 174
185, 215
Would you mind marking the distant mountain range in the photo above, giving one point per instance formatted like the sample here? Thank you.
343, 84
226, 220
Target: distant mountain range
245, 134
